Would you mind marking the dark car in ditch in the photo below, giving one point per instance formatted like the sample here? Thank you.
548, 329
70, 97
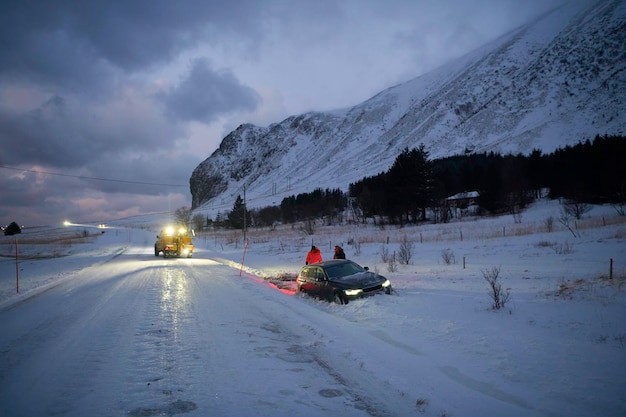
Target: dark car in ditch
340, 281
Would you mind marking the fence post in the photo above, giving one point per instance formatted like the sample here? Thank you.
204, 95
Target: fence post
464, 262
611, 268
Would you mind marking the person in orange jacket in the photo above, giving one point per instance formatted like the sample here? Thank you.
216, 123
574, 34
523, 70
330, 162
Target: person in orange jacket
313, 256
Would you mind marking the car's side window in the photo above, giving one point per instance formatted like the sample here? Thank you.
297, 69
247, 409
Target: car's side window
310, 272
332, 271
319, 274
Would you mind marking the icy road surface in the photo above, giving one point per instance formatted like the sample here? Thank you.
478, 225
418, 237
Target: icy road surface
105, 328
144, 336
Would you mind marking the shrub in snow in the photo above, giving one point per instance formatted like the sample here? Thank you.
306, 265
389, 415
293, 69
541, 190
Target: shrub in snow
575, 208
448, 256
384, 253
497, 294
392, 264
308, 227
357, 247
563, 249
564, 219
421, 404
406, 251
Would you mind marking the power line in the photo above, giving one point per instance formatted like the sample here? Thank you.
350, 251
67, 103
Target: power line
91, 178
273, 193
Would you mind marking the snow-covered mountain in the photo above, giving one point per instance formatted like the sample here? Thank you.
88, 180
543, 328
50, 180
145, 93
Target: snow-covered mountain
551, 83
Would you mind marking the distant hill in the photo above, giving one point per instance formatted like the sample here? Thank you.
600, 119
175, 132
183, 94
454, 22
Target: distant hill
554, 82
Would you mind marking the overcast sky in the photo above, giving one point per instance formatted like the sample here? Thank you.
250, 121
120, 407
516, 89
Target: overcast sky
106, 107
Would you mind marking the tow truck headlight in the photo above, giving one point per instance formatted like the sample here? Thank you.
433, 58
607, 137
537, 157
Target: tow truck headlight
386, 284
352, 293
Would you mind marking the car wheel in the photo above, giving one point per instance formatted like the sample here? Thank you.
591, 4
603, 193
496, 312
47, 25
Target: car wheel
156, 251
339, 299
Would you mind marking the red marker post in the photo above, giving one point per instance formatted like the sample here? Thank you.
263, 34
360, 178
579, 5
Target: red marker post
17, 273
245, 248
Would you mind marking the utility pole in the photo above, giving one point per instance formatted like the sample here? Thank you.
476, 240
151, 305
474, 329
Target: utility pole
244, 215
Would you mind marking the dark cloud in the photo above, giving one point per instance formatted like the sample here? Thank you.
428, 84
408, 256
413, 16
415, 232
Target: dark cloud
67, 133
75, 99
83, 43
107, 189
205, 94
22, 189
69, 50
42, 136
35, 199
149, 173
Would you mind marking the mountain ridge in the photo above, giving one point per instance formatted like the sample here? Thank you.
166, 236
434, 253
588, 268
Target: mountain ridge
551, 83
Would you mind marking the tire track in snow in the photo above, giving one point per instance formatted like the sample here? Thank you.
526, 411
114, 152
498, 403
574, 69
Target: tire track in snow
164, 350
483, 387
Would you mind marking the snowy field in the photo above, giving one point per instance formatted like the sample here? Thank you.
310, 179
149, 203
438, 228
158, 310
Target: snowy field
435, 347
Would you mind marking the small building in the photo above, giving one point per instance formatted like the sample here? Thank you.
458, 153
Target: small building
463, 200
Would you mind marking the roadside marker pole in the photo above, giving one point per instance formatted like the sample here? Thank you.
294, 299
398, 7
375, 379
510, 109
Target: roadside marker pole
17, 273
245, 248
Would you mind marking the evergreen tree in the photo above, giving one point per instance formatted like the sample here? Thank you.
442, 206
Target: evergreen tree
288, 210
410, 184
12, 229
370, 195
235, 217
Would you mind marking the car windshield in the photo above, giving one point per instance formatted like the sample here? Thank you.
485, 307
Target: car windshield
343, 270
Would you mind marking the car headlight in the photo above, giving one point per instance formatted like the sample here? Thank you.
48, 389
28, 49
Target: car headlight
386, 284
352, 293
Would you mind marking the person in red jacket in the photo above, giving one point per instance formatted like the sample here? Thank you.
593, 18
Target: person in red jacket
313, 256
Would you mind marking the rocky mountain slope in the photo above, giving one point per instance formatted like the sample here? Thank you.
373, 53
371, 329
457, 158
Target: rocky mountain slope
551, 83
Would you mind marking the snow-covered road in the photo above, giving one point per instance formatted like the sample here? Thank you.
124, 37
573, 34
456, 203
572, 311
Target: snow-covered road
102, 327
144, 336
